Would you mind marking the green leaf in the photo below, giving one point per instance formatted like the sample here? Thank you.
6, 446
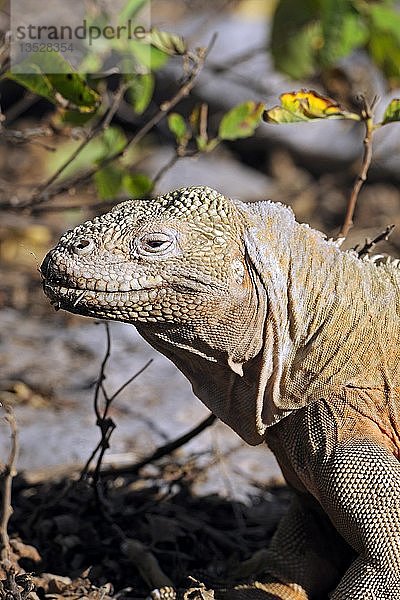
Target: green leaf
177, 126
52, 77
113, 140
108, 182
137, 185
241, 121
342, 34
141, 92
149, 57
130, 9
306, 105
383, 21
392, 112
312, 34
73, 87
170, 43
296, 36
67, 118
385, 51
384, 18
36, 83
206, 145
343, 30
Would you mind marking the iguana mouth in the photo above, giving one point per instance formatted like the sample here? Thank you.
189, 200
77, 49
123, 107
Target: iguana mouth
67, 296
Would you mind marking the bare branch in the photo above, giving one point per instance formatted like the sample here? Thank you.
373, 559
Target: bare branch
146, 563
129, 381
168, 448
369, 244
102, 374
103, 421
165, 168
39, 194
47, 191
6, 479
366, 114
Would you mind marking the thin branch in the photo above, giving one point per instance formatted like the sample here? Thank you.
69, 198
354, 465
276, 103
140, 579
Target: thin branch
39, 194
34, 478
7, 476
168, 448
198, 60
129, 381
165, 168
22, 105
103, 421
366, 114
370, 244
237, 59
203, 121
181, 152
18, 137
102, 375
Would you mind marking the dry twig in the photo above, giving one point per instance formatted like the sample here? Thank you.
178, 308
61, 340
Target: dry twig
370, 244
47, 190
6, 479
168, 448
103, 421
367, 118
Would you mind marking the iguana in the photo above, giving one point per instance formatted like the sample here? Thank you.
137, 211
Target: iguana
287, 339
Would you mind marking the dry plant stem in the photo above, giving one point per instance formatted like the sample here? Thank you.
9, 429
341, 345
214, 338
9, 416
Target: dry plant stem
39, 194
98, 387
165, 168
168, 448
27, 100
370, 244
102, 375
103, 421
362, 176
129, 381
165, 108
139, 554
109, 203
6, 487
203, 121
146, 563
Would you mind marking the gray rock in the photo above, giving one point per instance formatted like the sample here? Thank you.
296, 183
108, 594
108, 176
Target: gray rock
63, 356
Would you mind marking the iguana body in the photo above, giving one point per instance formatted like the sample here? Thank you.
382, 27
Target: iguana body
284, 337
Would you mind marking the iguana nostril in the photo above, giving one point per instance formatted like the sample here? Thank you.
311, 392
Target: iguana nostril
83, 245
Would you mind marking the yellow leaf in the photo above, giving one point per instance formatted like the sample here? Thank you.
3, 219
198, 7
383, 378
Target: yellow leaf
306, 105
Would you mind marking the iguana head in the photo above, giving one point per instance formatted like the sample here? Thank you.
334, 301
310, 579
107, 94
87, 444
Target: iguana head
160, 260
176, 262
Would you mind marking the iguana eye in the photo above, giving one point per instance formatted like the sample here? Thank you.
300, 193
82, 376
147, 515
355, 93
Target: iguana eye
155, 243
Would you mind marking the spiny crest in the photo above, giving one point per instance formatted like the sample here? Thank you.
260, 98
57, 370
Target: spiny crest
197, 201
382, 260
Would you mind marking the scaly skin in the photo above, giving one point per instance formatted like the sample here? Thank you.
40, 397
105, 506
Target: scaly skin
288, 340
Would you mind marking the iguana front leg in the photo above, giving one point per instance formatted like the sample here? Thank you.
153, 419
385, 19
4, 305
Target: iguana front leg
356, 479
305, 546
360, 490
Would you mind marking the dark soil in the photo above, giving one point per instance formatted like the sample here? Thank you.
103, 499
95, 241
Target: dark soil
78, 540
